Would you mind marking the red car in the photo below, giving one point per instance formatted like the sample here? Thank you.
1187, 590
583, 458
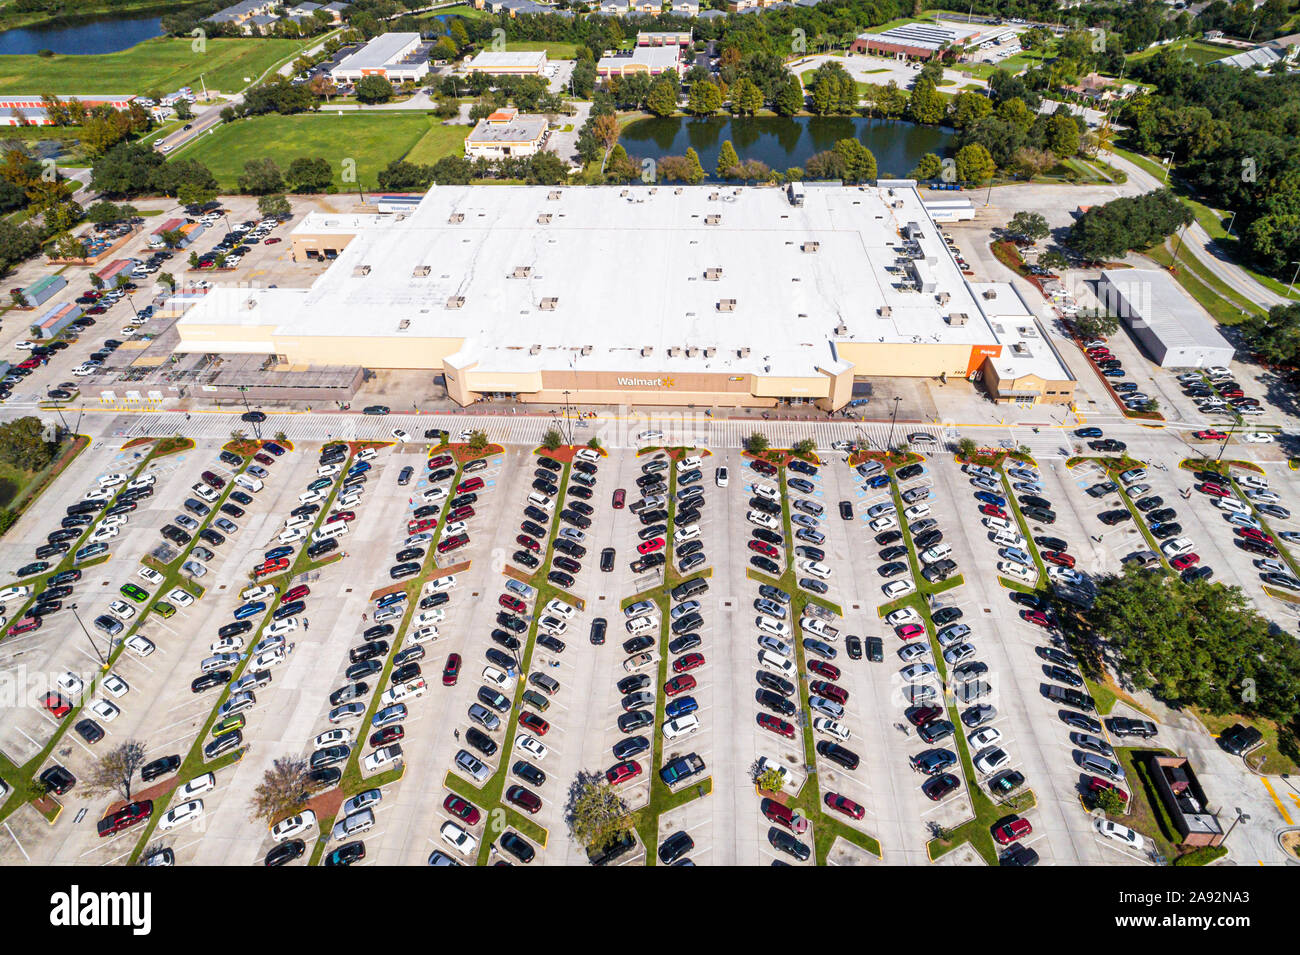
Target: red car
295, 593
1012, 829
688, 662
1036, 616
762, 547
525, 799
464, 512
1059, 558
423, 524
1214, 490
1233, 393
30, 363
511, 603
344, 516
534, 723
530, 543
1183, 561
56, 705
620, 497
473, 484
1255, 535
923, 714
992, 510
440, 461
679, 684
623, 772
829, 690
1096, 784
763, 468
462, 810
451, 672
822, 668
650, 546
261, 458
26, 625
1209, 435
845, 805
776, 725
389, 734
910, 631
271, 567
453, 542
125, 818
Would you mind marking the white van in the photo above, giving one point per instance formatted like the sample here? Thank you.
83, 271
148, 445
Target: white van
688, 463
1231, 504
936, 553
248, 483
590, 455
403, 692
776, 663
354, 824
1008, 538
541, 500
329, 532
220, 661
997, 524
638, 625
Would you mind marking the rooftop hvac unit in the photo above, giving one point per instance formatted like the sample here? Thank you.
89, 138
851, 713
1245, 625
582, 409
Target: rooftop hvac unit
710, 352
810, 246
420, 271
625, 193
942, 298
455, 217
674, 351
989, 294
727, 305
404, 324
713, 197
548, 304
521, 272
691, 351
456, 301
957, 318
712, 275
885, 311
586, 349
841, 329
361, 271
712, 220
654, 190
743, 352
544, 219
553, 194
535, 349
677, 191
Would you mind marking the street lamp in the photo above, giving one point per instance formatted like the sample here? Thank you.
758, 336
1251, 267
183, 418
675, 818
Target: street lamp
892, 418
1231, 220
1291, 287
1168, 159
94, 646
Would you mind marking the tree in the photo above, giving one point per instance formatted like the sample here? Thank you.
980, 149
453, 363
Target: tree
116, 770
552, 439
1275, 336
925, 104
1128, 223
746, 97
194, 194
662, 98
1096, 326
478, 440
1028, 225
283, 790
789, 98
928, 166
274, 206
770, 780
167, 279
309, 174
705, 99
694, 171
859, 161
23, 445
1063, 135
597, 814
974, 164
805, 447
968, 108
967, 448
373, 89
1108, 801
128, 169
547, 169
17, 242
261, 176
727, 160
606, 131
756, 443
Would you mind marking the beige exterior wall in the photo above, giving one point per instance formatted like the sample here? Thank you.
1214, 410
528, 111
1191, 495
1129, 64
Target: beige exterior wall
319, 242
905, 359
1049, 392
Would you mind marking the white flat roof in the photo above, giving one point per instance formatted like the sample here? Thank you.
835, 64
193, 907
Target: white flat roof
381, 51
487, 60
627, 267
1156, 298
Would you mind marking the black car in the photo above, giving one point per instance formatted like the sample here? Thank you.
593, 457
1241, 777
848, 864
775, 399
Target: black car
368, 651
560, 579
630, 684
838, 754
490, 697
875, 649
545, 487
517, 846
511, 622
1032, 500
1111, 518
775, 702
554, 644
528, 772
765, 564
1147, 503
1162, 531
409, 655
525, 559
286, 852
637, 644
607, 560
1040, 514
775, 683
319, 779
91, 731
1051, 543
1062, 675
928, 539
577, 490
635, 719
567, 563
362, 668
633, 745
1162, 515
377, 632
598, 628
532, 530
480, 741
160, 767
321, 548
934, 731
787, 843
349, 852
1108, 444
242, 497
409, 554
946, 615
769, 537
675, 847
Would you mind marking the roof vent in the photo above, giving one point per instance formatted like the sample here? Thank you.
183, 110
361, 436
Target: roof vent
713, 196
586, 349
691, 351
713, 220
544, 218
957, 318
989, 294
361, 271
521, 272
456, 217
841, 329
553, 194
710, 352
942, 298
535, 349
420, 271
674, 351
404, 324
885, 311
810, 246
677, 191
727, 305
743, 352
548, 304
712, 275
456, 301
647, 351
625, 193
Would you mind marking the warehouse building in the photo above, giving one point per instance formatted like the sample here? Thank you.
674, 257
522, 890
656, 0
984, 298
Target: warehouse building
56, 320
39, 292
397, 57
509, 63
703, 295
1169, 323
650, 60
918, 41
506, 133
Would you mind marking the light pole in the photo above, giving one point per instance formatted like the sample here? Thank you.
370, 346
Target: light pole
892, 418
1242, 816
568, 424
1231, 220
1168, 160
94, 646
1173, 262
1291, 287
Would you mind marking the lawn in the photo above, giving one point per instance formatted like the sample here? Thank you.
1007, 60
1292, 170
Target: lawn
437, 142
1197, 51
554, 50
373, 140
163, 64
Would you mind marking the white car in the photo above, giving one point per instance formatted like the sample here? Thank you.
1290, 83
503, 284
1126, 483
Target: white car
1065, 574
20, 592
682, 726
434, 494
985, 737
105, 710
400, 435
640, 608
293, 826
294, 522
532, 746
992, 759
426, 618
824, 724
442, 584
918, 671
767, 492
759, 519
886, 523
1016, 570
777, 628
898, 588
917, 511
121, 609
196, 786
454, 528
226, 645
814, 568
24, 345
900, 617
113, 520
103, 534
116, 685
269, 658
422, 635
1257, 437
328, 470
179, 598
720, 477
459, 839
186, 812
70, 683
291, 535
282, 628
139, 645
333, 738
149, 576
498, 679
1121, 834
1177, 546
643, 436
260, 592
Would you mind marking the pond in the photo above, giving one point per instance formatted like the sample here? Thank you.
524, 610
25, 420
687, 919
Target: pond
784, 142
97, 36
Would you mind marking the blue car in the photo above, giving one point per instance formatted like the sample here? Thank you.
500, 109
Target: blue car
275, 553
680, 707
249, 610
988, 497
361, 467
1114, 372
1087, 433
880, 480
389, 599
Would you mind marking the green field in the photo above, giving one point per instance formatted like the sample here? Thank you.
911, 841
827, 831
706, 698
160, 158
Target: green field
1198, 51
439, 141
555, 50
373, 140
162, 64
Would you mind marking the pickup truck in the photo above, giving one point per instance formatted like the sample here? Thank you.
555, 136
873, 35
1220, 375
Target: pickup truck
681, 769
1123, 726
1070, 697
818, 626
